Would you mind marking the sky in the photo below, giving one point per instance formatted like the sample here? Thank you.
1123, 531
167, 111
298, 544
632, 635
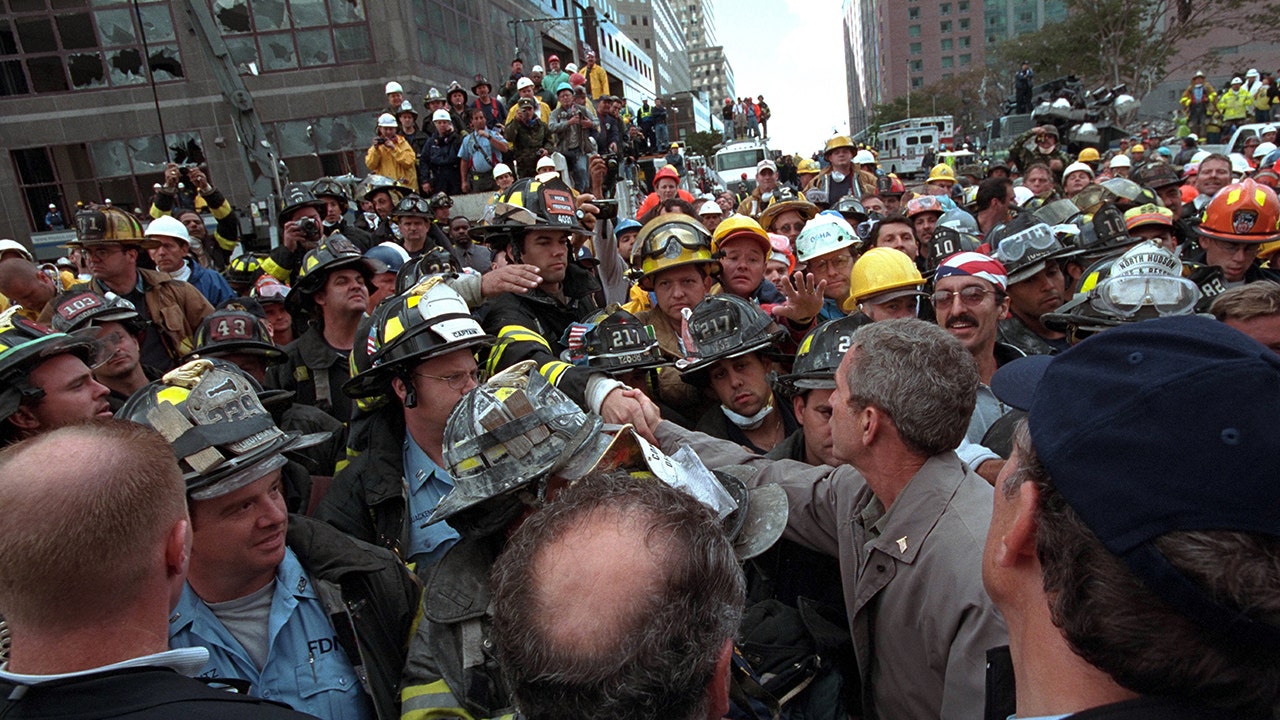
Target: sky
792, 52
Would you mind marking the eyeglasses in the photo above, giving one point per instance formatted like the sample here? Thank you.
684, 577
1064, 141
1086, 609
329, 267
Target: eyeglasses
457, 382
971, 296
840, 264
1037, 239
790, 227
1232, 248
97, 252
1125, 295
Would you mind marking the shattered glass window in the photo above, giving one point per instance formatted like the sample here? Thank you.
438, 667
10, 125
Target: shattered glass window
346, 11
147, 153
335, 134
86, 70
308, 13
315, 48
276, 51
110, 158
243, 51
232, 15
294, 138
157, 23
165, 63
115, 27
270, 15
126, 66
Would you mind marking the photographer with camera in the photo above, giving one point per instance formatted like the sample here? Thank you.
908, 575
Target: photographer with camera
187, 190
530, 138
300, 224
391, 155
574, 129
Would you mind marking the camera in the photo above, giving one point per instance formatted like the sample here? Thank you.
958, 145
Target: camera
310, 229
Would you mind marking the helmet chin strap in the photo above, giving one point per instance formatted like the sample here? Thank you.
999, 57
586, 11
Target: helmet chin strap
749, 422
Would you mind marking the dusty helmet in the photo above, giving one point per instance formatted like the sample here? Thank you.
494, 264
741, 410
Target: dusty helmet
210, 413
79, 309
820, 354
99, 224
725, 326
514, 431
826, 233
232, 330
668, 241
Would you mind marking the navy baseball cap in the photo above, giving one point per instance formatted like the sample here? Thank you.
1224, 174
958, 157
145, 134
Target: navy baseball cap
1170, 424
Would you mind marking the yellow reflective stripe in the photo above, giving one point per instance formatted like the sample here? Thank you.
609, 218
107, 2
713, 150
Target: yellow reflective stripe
433, 700
518, 333
272, 268
553, 370
225, 243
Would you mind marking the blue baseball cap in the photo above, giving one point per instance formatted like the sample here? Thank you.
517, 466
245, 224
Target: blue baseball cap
1170, 424
626, 225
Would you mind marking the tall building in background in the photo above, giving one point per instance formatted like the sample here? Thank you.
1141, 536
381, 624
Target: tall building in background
710, 71
895, 47
654, 25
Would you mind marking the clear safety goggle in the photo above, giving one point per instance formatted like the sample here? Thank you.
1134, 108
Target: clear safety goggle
1126, 295
1036, 239
669, 239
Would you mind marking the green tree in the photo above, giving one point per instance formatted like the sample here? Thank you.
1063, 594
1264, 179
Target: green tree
701, 143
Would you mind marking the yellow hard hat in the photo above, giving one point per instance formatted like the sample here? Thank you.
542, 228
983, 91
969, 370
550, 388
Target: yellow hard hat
941, 172
1089, 155
1137, 149
670, 240
736, 226
839, 141
880, 270
808, 167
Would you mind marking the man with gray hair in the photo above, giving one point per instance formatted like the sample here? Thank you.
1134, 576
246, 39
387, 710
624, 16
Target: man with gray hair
905, 517
600, 610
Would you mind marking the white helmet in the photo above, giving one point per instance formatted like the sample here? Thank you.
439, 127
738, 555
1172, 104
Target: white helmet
386, 120
1121, 161
523, 83
441, 114
1264, 149
8, 245
824, 234
393, 86
168, 226
864, 157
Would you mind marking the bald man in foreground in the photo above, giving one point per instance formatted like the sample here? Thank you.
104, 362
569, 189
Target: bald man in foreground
93, 555
595, 591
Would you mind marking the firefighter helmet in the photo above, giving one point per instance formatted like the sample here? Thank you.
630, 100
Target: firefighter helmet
671, 240
1243, 212
820, 354
613, 341
724, 326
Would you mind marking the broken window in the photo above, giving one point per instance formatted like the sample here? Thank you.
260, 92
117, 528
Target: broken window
315, 47
346, 11
126, 66
308, 13
86, 70
115, 27
276, 51
233, 15
157, 23
353, 44
110, 158
165, 63
270, 15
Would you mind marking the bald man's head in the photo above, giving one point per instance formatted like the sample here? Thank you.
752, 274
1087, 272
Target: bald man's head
88, 510
25, 284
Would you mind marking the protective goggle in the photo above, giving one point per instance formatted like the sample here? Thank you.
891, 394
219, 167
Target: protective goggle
668, 240
414, 204
1035, 240
1126, 295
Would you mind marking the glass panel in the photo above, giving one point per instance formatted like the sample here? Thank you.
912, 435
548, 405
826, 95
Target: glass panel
122, 192
347, 11
315, 48
76, 32
12, 79
126, 66
46, 74
69, 4
233, 15
33, 166
36, 34
115, 27
270, 15
353, 44
27, 5
308, 13
110, 158
334, 134
86, 70
147, 153
8, 41
294, 138
166, 63
184, 148
306, 166
157, 23
243, 51
277, 52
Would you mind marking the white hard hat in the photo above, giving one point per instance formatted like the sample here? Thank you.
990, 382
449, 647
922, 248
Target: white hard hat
545, 163
1253, 72
441, 114
55, 207
571, 68
8, 245
1239, 165
1022, 195
1267, 129
1264, 149
1120, 161
386, 120
864, 157
1077, 167
393, 86
1199, 156
501, 169
1194, 137
710, 207
537, 69
1236, 80
168, 226
523, 83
